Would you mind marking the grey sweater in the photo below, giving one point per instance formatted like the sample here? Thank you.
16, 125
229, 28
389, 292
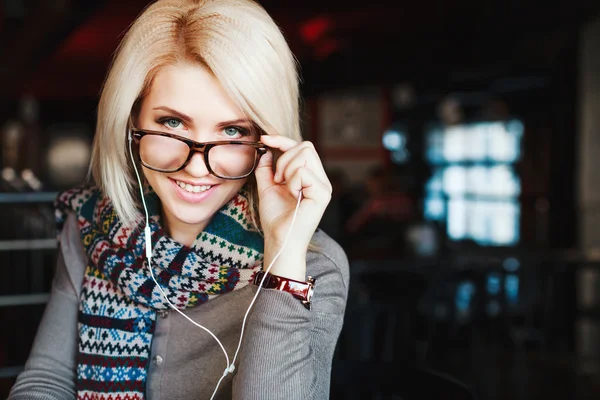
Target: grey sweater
286, 351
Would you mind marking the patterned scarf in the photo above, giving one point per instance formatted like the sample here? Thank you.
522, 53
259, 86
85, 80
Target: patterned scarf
119, 299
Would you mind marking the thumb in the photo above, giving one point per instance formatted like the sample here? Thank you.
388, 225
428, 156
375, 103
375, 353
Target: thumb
264, 172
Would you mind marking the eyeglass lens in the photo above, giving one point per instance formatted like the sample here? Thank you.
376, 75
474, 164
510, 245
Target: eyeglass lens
169, 154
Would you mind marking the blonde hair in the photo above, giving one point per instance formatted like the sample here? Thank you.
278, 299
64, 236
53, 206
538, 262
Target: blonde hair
235, 39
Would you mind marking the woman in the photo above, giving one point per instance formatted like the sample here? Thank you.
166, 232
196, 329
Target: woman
188, 73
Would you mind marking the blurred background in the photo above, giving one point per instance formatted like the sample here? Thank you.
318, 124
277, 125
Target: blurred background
462, 141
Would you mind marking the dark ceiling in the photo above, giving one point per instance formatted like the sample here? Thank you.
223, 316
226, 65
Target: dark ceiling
61, 48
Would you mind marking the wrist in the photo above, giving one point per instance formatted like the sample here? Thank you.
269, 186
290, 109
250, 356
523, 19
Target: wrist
290, 264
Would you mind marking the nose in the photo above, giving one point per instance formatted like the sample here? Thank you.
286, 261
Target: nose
196, 167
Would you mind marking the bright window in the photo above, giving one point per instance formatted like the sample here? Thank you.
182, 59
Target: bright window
474, 188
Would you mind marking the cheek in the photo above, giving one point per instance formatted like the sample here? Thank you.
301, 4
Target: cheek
152, 177
237, 185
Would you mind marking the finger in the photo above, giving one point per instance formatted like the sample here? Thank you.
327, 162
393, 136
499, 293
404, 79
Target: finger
279, 142
264, 172
309, 162
303, 155
306, 182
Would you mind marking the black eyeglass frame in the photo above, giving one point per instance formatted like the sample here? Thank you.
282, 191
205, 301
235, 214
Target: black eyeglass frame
197, 147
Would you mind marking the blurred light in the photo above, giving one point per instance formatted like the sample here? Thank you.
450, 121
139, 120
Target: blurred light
455, 180
435, 146
434, 208
504, 143
455, 143
403, 96
511, 264
8, 174
457, 218
515, 126
423, 239
450, 111
315, 28
475, 181
493, 283
28, 176
68, 155
400, 157
505, 225
511, 288
435, 183
393, 140
464, 295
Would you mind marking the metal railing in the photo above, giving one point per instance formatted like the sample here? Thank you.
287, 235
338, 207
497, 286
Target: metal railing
27, 198
26, 245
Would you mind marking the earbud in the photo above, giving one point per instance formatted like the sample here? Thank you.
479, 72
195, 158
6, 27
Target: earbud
148, 235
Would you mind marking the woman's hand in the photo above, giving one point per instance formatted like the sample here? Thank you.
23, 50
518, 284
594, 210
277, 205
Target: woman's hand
298, 171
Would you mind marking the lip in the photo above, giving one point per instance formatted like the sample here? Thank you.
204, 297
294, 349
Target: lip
192, 197
195, 183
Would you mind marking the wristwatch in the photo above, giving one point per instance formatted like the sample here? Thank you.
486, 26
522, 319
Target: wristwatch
303, 291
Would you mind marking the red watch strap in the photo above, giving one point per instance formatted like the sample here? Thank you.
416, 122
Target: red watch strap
300, 290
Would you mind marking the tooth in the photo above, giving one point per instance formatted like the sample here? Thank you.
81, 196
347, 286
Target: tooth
197, 189
189, 187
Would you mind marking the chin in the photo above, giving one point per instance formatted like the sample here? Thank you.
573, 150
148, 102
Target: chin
190, 215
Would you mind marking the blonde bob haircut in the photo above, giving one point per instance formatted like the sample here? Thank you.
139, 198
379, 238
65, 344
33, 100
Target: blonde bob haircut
235, 39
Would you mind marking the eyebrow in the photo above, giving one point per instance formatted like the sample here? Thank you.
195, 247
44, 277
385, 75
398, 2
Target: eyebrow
239, 121
182, 116
187, 119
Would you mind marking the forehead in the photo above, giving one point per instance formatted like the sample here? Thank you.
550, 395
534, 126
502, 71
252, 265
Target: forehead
191, 89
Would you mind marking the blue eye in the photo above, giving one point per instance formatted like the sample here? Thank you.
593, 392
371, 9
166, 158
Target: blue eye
232, 131
172, 123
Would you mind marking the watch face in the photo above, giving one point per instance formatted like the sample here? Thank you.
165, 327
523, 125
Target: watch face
311, 288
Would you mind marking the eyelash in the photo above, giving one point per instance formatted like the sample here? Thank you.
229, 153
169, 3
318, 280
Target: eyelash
163, 120
243, 131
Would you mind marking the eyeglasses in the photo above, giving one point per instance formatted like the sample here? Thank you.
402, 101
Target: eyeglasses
227, 159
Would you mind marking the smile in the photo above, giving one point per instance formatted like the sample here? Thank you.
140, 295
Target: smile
192, 189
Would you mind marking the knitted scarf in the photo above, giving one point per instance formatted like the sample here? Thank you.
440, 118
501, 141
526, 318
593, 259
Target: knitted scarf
119, 299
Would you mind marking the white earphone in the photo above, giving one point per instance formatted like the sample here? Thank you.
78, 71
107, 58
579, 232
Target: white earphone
230, 366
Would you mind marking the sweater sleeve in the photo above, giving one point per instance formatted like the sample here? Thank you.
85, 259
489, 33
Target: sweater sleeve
287, 350
49, 372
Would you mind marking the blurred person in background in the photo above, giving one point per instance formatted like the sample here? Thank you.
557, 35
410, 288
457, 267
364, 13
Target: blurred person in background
199, 97
20, 159
378, 225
